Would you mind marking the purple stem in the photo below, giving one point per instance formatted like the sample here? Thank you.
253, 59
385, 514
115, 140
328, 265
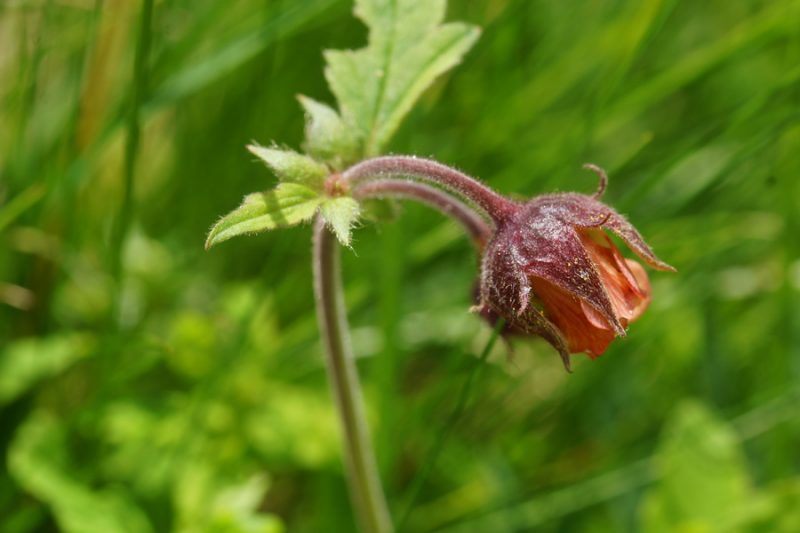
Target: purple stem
372, 179
474, 225
494, 205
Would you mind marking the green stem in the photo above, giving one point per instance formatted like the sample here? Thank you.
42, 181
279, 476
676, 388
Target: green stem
138, 88
359, 457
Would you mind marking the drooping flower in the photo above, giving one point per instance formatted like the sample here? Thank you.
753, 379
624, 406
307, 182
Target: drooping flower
551, 270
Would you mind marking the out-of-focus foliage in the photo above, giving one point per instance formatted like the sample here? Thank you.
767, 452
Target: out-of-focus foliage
706, 485
147, 385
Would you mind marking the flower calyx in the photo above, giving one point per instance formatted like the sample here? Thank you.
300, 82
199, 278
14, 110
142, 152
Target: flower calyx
551, 270
335, 185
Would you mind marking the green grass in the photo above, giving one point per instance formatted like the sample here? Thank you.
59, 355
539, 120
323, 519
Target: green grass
166, 388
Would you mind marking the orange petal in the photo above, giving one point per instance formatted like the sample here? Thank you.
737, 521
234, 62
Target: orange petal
584, 328
625, 281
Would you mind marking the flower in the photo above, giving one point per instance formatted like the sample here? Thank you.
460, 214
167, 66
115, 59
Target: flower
551, 270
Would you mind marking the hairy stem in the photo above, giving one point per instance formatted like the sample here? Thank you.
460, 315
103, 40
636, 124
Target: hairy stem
473, 224
377, 178
494, 205
359, 457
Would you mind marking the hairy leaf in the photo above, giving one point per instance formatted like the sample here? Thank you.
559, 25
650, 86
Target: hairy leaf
290, 166
288, 204
340, 214
408, 48
327, 136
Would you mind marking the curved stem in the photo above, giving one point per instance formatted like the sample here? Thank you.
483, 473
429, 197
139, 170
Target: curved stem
372, 179
359, 457
473, 224
496, 206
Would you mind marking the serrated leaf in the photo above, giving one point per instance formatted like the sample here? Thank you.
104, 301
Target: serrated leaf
408, 48
340, 214
327, 136
289, 166
288, 204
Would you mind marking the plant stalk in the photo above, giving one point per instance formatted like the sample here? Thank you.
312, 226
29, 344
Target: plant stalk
376, 178
364, 484
496, 207
138, 89
442, 201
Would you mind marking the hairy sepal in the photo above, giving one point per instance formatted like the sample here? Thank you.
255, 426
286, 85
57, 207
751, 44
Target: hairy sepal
340, 215
286, 205
290, 166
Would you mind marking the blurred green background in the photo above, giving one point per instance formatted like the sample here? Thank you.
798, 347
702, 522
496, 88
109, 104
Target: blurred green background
146, 385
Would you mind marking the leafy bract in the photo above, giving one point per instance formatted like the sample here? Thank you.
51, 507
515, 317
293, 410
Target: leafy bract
408, 48
327, 136
289, 166
288, 204
340, 214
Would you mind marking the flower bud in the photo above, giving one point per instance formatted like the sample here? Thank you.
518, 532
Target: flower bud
551, 270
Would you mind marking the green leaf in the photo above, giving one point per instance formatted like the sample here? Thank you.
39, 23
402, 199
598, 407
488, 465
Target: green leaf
208, 501
288, 204
408, 48
290, 166
340, 214
778, 508
37, 461
704, 475
21, 203
25, 362
293, 424
327, 136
